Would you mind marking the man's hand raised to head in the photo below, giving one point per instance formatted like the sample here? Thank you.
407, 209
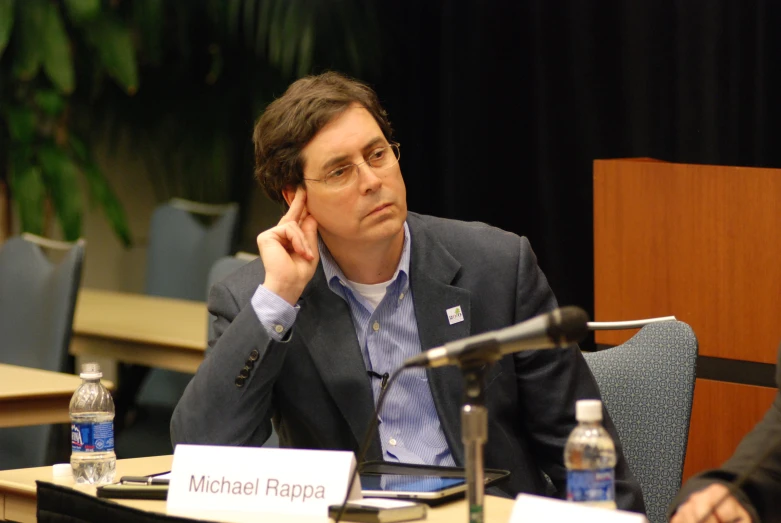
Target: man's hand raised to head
702, 502
289, 251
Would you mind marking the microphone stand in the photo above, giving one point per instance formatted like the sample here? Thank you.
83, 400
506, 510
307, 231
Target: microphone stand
474, 429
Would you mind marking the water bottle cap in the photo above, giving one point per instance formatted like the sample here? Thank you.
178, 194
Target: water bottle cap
61, 470
588, 410
90, 371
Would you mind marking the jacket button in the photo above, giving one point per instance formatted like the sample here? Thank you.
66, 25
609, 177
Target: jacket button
244, 373
254, 355
240, 381
249, 364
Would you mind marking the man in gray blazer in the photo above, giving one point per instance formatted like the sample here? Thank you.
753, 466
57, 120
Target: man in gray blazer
349, 285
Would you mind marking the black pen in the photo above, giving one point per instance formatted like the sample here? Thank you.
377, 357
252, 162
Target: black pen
142, 480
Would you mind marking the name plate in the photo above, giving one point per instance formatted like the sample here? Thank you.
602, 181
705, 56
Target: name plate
537, 508
212, 479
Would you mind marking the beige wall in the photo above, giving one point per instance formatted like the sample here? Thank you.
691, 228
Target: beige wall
109, 265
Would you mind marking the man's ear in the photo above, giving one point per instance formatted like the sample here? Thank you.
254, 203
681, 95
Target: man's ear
288, 193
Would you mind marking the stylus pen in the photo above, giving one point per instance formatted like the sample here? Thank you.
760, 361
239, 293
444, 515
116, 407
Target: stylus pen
143, 480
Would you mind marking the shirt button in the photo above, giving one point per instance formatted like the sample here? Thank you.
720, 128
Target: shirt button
401, 296
279, 328
392, 441
376, 326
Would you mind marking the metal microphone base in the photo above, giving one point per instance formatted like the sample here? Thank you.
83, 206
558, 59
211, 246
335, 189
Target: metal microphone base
474, 434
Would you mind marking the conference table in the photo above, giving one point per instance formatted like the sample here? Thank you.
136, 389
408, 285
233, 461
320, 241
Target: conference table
18, 494
35, 397
157, 332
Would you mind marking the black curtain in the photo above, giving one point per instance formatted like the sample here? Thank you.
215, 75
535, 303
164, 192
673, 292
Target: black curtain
501, 106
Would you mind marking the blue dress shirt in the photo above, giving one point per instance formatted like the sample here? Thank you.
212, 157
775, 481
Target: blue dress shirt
410, 430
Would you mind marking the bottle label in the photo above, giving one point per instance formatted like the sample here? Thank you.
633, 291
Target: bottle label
92, 437
590, 485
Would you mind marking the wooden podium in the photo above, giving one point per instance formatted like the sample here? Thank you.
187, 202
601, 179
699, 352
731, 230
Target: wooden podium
702, 243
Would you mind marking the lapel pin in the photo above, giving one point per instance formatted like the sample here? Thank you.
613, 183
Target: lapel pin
454, 315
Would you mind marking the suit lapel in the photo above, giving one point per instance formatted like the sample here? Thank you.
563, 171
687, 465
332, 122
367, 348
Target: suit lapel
432, 270
326, 326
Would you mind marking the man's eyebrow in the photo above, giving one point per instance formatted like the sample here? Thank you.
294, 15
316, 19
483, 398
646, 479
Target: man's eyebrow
334, 161
374, 143
342, 157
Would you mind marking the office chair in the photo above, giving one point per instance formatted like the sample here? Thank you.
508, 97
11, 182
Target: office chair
185, 239
182, 248
37, 302
647, 385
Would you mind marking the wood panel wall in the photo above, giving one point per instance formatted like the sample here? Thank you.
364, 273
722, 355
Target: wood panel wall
702, 243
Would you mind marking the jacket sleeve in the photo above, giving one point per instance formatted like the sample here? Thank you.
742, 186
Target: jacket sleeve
550, 382
761, 492
218, 407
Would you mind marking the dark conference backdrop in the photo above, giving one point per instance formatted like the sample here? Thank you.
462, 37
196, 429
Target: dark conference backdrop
501, 106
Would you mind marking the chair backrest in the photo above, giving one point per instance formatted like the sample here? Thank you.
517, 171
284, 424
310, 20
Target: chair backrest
182, 249
37, 301
181, 252
647, 385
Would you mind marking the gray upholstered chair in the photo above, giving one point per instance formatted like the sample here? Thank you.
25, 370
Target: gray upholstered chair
37, 300
647, 385
181, 253
185, 239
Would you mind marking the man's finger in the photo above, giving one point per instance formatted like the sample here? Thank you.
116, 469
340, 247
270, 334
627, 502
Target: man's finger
290, 236
301, 244
731, 511
297, 206
296, 237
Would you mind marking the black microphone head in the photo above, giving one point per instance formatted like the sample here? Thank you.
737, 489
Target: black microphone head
567, 325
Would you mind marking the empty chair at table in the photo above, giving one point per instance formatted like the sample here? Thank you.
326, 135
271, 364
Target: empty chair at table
37, 301
185, 239
647, 386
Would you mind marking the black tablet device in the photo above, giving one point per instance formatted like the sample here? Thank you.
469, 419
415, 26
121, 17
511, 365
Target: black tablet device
380, 479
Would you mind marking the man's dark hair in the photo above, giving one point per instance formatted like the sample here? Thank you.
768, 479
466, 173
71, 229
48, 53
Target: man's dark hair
292, 120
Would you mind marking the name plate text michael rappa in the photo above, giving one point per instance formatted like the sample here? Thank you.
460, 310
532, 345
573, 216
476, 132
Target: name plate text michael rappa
258, 480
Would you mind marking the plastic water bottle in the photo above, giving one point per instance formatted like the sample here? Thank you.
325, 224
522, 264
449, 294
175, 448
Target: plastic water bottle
92, 429
590, 457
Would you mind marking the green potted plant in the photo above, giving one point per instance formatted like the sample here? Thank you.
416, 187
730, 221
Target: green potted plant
41, 157
209, 66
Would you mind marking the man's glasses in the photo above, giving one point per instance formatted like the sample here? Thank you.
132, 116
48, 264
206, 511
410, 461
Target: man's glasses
378, 159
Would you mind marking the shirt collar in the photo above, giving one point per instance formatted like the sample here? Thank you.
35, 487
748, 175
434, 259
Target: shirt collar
334, 274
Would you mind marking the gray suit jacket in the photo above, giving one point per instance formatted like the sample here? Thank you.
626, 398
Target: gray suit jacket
315, 385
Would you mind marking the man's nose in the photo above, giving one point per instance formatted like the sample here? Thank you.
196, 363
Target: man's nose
368, 179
